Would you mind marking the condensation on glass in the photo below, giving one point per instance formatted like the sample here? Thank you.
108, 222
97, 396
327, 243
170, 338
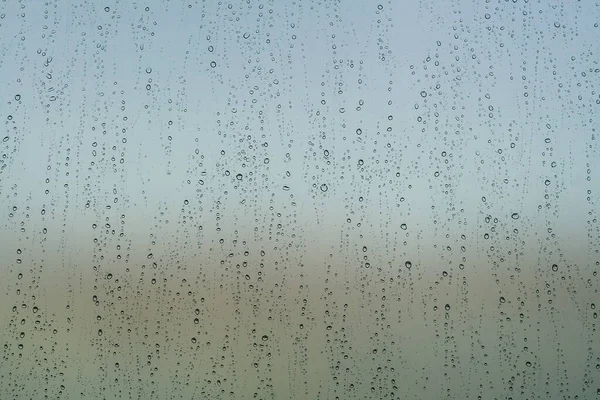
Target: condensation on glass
299, 200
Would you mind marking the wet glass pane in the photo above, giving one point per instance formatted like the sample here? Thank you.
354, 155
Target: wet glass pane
299, 199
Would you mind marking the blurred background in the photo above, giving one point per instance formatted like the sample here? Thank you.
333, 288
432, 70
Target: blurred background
299, 200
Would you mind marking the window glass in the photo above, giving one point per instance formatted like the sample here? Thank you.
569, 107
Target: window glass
299, 199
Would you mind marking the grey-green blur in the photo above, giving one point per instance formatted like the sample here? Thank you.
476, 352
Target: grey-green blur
299, 199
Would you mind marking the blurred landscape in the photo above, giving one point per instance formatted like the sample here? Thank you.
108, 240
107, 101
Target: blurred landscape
299, 200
